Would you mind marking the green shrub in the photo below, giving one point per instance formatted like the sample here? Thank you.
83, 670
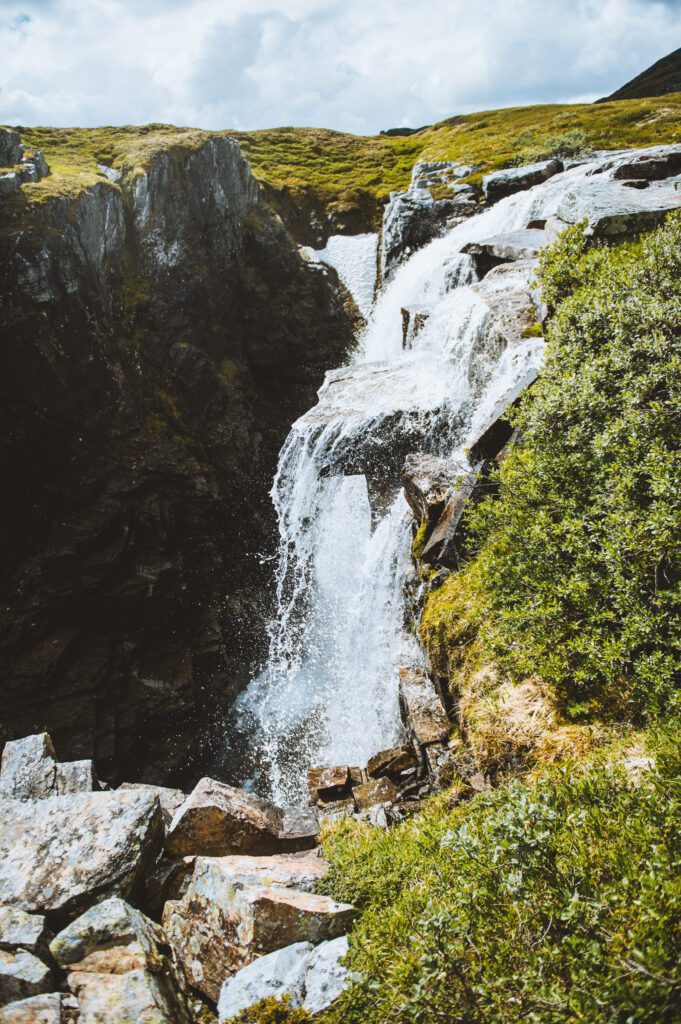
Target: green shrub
580, 555
553, 902
272, 1011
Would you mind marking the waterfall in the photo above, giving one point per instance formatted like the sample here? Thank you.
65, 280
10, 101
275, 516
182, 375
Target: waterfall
328, 694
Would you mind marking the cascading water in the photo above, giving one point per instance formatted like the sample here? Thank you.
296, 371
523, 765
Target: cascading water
328, 694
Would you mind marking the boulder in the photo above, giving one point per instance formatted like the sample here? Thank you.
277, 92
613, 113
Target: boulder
497, 431
52, 1008
170, 799
310, 976
62, 854
504, 183
11, 149
135, 997
21, 930
217, 820
300, 828
111, 938
9, 183
40, 164
653, 165
22, 975
28, 173
423, 712
29, 767
428, 481
614, 212
295, 871
392, 762
30, 771
375, 791
507, 248
221, 925
329, 784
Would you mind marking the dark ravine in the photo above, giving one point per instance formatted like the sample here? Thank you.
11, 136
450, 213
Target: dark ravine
158, 338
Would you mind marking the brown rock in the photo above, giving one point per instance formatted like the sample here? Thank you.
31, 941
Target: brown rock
220, 926
328, 783
336, 811
376, 791
300, 828
392, 762
217, 820
292, 870
422, 710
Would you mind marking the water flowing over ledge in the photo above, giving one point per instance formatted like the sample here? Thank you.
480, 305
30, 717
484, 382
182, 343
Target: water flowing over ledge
328, 694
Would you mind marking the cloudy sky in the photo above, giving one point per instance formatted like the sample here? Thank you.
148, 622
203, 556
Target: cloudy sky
356, 65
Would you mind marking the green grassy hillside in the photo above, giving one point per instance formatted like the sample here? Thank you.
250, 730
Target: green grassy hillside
335, 173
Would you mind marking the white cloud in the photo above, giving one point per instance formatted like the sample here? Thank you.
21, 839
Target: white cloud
357, 65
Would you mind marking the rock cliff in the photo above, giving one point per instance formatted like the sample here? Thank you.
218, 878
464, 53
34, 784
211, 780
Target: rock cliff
159, 334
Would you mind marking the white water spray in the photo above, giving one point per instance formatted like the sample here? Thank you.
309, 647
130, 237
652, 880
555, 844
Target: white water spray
328, 694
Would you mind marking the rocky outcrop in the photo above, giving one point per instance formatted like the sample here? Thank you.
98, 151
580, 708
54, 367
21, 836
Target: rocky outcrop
159, 335
29, 167
515, 245
222, 924
614, 212
500, 184
61, 854
309, 976
22, 975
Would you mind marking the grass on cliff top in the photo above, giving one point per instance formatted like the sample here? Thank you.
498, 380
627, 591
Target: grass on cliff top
336, 166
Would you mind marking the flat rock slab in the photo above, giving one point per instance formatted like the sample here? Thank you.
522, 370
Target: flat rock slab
219, 926
293, 871
22, 975
614, 211
504, 183
392, 762
514, 245
217, 820
309, 976
62, 854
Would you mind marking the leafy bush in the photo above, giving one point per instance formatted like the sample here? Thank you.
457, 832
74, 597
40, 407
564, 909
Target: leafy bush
543, 903
570, 143
272, 1011
580, 555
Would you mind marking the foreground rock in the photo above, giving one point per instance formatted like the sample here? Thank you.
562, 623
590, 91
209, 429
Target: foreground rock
30, 771
504, 183
222, 924
22, 975
19, 930
216, 820
120, 968
53, 1008
61, 854
507, 248
615, 212
309, 976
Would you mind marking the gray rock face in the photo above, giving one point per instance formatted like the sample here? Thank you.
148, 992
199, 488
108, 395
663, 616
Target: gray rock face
613, 211
30, 771
221, 925
504, 183
9, 183
414, 218
40, 164
21, 930
10, 147
135, 997
310, 976
22, 975
61, 854
216, 820
109, 937
445, 541
428, 481
294, 871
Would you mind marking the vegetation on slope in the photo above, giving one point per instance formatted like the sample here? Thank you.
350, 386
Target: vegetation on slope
333, 172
